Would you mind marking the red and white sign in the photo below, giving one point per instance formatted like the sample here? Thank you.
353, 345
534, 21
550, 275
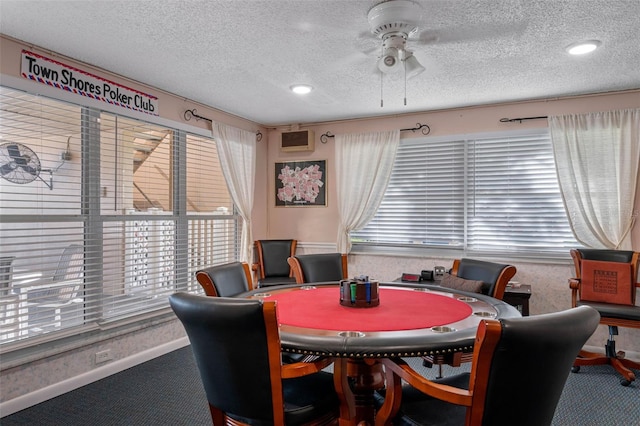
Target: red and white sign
65, 77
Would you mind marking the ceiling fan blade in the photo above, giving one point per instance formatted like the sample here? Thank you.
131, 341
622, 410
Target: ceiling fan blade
471, 33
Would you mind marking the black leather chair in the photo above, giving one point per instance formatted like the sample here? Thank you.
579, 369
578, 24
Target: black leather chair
237, 349
613, 315
494, 276
225, 280
271, 265
520, 367
316, 268
229, 280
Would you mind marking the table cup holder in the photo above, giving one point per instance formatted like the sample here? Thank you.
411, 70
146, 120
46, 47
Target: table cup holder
351, 334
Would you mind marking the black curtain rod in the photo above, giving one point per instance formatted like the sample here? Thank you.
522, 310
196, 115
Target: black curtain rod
425, 129
188, 114
520, 120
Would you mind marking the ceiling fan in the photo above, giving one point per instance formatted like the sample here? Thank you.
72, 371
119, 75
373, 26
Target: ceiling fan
394, 22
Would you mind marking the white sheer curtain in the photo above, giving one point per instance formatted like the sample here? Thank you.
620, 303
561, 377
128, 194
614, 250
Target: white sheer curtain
597, 158
237, 153
363, 167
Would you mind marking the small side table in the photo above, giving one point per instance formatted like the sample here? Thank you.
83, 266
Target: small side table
518, 297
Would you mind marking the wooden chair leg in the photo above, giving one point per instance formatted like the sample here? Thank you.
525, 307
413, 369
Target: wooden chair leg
621, 367
611, 357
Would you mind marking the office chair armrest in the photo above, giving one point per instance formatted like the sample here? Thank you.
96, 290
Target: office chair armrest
296, 269
574, 285
45, 284
298, 369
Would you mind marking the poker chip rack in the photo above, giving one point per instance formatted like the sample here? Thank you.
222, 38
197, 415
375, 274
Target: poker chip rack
360, 292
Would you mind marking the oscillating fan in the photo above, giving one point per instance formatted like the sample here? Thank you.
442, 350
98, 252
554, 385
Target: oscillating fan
19, 164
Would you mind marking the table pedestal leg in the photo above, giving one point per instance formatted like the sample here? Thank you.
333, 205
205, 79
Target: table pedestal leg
356, 381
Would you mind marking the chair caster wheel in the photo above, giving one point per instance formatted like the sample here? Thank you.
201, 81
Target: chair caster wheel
625, 382
575, 368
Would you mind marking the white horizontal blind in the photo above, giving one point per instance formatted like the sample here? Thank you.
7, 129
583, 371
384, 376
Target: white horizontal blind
489, 195
514, 201
424, 202
40, 215
133, 210
139, 229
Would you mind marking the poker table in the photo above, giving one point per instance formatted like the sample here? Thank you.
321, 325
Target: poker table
412, 320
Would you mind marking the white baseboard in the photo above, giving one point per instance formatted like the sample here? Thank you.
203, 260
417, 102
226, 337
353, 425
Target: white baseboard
57, 389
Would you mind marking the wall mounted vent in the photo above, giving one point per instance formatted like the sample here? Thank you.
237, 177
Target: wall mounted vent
302, 140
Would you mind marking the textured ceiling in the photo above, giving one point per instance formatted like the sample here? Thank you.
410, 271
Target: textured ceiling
242, 56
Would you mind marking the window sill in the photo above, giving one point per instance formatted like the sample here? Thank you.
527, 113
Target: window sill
453, 253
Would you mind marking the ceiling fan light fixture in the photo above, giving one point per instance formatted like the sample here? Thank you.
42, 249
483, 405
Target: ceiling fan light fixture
412, 66
390, 60
301, 89
583, 47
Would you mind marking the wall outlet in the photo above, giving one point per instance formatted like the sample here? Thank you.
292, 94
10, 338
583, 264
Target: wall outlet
103, 356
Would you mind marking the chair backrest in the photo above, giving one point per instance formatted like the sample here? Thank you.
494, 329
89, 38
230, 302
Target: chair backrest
9, 301
6, 274
71, 264
225, 280
520, 365
494, 276
70, 268
624, 256
629, 257
314, 268
272, 255
236, 346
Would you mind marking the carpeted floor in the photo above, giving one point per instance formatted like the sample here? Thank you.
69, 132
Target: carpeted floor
167, 391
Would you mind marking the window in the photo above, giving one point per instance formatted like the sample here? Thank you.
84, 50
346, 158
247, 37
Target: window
484, 194
101, 217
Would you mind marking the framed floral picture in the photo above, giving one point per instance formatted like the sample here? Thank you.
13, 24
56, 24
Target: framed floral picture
301, 183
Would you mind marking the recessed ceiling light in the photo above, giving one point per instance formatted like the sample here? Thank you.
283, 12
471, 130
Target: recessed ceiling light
583, 47
301, 89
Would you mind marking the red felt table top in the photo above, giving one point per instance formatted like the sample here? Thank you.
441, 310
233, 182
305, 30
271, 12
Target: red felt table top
320, 308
